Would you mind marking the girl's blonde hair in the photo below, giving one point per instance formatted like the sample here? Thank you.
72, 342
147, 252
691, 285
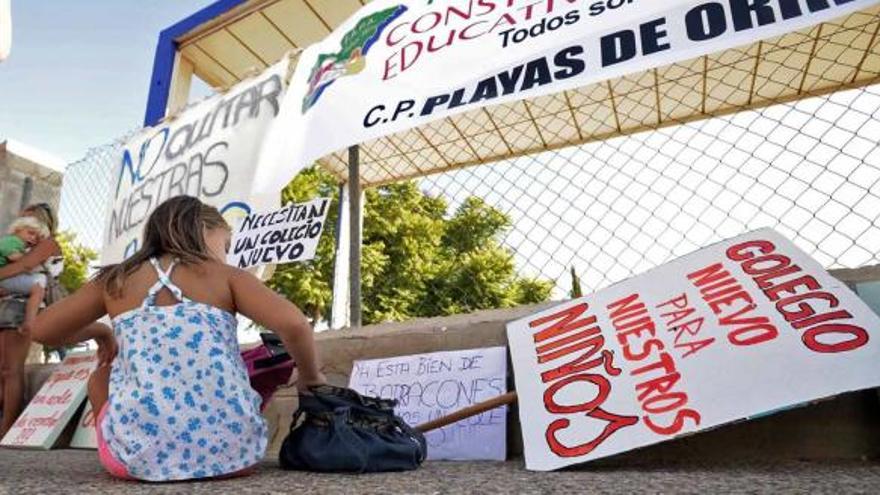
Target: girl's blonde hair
31, 223
175, 228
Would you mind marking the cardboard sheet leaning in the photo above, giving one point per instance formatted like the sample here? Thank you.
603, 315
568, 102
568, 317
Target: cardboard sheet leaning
49, 412
741, 328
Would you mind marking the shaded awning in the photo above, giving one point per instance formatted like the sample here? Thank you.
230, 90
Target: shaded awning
826, 58
258, 33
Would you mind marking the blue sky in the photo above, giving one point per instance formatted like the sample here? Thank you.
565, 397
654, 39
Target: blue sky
79, 71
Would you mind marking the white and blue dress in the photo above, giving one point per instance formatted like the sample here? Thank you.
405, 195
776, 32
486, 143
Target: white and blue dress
181, 405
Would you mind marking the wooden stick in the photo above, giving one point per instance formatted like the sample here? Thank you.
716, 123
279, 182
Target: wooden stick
470, 411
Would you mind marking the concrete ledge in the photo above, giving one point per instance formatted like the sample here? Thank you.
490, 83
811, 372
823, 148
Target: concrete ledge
340, 348
857, 275
846, 427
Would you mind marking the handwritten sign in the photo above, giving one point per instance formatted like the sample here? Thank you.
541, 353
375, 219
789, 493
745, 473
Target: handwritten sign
85, 436
739, 329
428, 386
212, 150
287, 235
54, 405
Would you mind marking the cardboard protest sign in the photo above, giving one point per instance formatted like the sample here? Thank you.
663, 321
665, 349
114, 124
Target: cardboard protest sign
429, 386
54, 405
213, 150
745, 327
86, 435
287, 235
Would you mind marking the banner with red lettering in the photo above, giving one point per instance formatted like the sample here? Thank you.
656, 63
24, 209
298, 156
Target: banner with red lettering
49, 412
399, 64
736, 330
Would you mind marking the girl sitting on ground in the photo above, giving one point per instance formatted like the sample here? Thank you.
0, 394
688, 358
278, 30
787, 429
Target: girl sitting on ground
24, 233
179, 404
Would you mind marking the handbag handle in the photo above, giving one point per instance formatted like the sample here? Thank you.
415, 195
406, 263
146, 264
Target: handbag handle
414, 435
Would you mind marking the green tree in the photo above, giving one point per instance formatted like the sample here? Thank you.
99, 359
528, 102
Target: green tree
416, 259
309, 283
77, 259
576, 291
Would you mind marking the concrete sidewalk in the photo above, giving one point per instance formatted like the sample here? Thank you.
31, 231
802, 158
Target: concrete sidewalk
72, 471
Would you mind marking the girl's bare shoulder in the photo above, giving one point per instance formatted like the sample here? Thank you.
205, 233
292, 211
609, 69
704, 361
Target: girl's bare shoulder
218, 273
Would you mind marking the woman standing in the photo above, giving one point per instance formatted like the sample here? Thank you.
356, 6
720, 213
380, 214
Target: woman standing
14, 345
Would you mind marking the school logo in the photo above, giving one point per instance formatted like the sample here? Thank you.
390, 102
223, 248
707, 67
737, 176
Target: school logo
351, 58
235, 212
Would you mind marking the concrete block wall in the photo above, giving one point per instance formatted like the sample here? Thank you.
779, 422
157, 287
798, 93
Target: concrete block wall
26, 176
845, 427
340, 348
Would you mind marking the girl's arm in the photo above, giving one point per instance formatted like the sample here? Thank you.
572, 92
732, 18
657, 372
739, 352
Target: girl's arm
268, 309
73, 320
64, 322
44, 250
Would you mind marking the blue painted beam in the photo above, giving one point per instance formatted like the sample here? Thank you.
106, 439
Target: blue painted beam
166, 49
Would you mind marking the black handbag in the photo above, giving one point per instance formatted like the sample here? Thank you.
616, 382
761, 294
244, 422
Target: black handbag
343, 431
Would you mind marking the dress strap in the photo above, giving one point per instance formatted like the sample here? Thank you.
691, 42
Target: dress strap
164, 282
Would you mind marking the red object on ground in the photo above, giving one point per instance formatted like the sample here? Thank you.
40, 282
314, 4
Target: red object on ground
269, 368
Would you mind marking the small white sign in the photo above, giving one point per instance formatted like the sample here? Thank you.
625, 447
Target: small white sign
51, 409
428, 386
736, 330
86, 436
288, 235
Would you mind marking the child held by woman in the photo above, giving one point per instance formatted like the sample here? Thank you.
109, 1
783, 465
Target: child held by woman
24, 233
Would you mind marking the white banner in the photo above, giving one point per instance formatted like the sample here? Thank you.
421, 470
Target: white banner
429, 386
212, 151
736, 330
288, 235
397, 64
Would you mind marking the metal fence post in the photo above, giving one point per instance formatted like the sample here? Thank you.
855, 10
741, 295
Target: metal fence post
341, 306
355, 226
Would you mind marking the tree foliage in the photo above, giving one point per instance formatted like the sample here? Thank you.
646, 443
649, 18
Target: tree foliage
77, 259
576, 291
417, 260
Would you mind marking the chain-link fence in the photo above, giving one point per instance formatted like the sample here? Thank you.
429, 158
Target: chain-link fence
512, 232
613, 209
85, 194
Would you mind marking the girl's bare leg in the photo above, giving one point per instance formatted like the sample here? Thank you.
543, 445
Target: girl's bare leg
99, 388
